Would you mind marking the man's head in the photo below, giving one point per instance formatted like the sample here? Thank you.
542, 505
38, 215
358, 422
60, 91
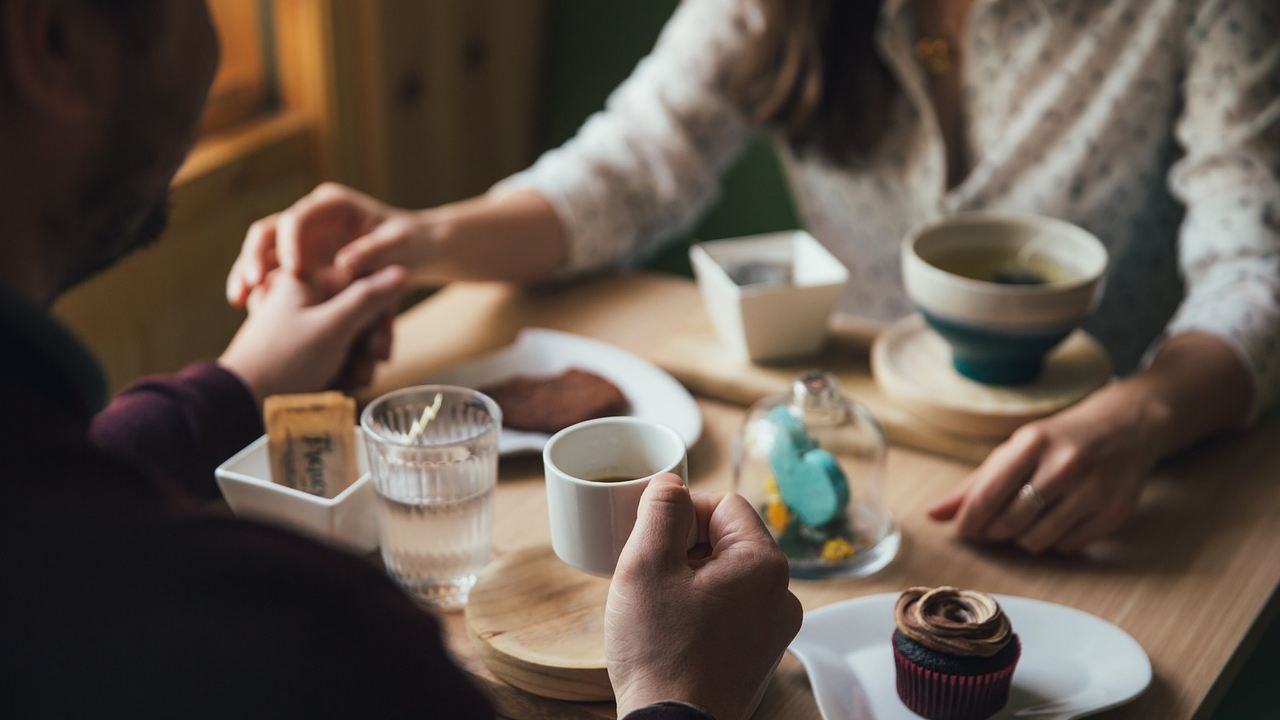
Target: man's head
99, 101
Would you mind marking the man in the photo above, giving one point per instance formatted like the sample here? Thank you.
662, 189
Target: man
124, 598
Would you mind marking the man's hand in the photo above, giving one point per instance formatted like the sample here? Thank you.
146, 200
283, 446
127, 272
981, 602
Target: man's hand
705, 627
333, 227
304, 337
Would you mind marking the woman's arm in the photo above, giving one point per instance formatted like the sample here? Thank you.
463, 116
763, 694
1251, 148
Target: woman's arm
474, 241
516, 237
1220, 365
1229, 180
635, 174
1195, 387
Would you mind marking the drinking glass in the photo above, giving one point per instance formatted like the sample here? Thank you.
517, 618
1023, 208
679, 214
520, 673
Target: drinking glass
433, 455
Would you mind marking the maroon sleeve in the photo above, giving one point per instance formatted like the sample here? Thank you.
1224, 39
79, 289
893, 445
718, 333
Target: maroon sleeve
669, 710
180, 427
212, 617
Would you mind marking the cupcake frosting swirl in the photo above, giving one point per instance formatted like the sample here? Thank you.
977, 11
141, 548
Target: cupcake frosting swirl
951, 620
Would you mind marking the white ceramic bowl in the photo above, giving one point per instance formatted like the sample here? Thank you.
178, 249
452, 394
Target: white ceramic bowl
1079, 254
348, 520
770, 322
1000, 333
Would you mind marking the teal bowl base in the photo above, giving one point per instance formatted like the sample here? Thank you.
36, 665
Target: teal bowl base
997, 357
1018, 371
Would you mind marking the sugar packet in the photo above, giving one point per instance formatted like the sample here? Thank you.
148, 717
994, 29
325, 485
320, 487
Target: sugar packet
311, 441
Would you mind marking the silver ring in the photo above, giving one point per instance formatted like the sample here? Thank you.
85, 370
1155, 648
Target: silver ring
1030, 494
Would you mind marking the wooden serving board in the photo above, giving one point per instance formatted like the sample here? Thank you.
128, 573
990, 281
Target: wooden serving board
539, 624
696, 357
912, 365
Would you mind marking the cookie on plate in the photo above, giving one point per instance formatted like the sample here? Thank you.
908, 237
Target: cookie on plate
550, 404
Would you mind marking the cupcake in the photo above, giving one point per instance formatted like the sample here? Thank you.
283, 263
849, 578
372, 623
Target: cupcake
954, 652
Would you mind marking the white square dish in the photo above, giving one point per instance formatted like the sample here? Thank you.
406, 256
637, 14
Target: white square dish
348, 520
770, 321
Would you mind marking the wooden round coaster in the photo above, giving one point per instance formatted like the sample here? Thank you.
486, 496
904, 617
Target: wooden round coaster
912, 364
539, 625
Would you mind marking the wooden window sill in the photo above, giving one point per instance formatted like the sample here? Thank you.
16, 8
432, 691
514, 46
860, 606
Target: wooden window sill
222, 166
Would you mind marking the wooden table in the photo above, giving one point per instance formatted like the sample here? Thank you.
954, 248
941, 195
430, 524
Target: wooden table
1191, 576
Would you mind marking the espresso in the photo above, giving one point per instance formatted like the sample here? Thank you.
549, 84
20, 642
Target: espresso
613, 478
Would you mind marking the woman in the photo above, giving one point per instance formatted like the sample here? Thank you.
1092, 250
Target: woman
1155, 124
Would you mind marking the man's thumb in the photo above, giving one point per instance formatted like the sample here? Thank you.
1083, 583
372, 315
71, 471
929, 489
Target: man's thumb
664, 522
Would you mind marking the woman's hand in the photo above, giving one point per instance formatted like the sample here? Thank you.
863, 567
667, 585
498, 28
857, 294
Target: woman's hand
332, 228
305, 337
1085, 466
335, 230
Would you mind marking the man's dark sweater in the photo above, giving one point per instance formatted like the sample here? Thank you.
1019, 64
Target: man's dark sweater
126, 599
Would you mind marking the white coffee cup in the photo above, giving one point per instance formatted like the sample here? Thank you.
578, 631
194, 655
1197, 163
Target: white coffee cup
591, 520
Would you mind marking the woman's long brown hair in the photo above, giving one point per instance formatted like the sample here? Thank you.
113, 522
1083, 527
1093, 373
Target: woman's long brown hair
813, 75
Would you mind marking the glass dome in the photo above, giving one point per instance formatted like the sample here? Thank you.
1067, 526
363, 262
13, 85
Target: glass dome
812, 464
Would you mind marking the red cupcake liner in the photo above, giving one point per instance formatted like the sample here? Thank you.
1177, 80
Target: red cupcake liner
943, 696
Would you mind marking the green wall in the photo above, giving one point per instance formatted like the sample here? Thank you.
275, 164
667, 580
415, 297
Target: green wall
591, 48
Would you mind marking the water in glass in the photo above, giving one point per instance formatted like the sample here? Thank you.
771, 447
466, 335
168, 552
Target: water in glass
434, 464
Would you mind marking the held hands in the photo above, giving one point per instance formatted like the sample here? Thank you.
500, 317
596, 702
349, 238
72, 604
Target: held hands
706, 627
307, 336
334, 229
1085, 467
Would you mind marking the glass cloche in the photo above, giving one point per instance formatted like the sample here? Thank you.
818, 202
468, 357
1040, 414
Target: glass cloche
812, 464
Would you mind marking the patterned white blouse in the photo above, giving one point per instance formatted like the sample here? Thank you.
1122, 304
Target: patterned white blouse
1155, 124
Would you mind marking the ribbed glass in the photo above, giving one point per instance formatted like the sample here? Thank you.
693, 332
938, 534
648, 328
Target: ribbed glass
435, 488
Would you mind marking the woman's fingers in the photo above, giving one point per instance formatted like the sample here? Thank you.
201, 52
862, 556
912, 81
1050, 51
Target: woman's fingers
316, 227
256, 260
947, 509
996, 482
1093, 528
1059, 472
1052, 526
1019, 514
387, 244
303, 239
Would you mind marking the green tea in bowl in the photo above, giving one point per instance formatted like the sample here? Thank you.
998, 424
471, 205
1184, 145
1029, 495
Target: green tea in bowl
1004, 266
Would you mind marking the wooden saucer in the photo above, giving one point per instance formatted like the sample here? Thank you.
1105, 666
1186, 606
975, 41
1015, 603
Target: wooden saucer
539, 625
912, 364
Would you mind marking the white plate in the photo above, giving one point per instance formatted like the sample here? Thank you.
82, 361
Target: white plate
653, 394
1073, 664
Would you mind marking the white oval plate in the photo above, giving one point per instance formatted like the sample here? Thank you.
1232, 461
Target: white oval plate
1073, 664
653, 394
